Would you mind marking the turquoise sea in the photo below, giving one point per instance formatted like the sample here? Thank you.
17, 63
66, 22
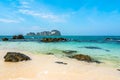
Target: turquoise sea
106, 51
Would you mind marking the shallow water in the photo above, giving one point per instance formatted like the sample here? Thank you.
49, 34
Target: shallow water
107, 52
111, 57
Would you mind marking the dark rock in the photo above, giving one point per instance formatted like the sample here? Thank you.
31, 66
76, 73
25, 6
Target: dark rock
53, 40
82, 57
45, 33
50, 53
14, 37
118, 69
5, 39
69, 51
93, 47
18, 37
59, 62
108, 39
15, 57
96, 61
107, 50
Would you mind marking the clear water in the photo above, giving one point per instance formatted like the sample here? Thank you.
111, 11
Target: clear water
108, 54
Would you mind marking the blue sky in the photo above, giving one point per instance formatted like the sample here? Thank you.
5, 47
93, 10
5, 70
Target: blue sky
71, 17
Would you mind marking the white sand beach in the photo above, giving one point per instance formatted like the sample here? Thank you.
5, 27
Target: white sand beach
43, 67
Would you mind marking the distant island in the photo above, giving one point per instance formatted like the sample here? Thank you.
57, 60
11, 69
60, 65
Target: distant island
45, 33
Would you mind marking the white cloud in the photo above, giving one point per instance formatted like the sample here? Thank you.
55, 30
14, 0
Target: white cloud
8, 20
25, 11
24, 4
47, 16
40, 11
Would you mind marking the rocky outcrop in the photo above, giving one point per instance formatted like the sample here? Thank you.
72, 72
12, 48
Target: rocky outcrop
18, 37
5, 39
118, 69
55, 33
45, 33
53, 40
83, 57
15, 57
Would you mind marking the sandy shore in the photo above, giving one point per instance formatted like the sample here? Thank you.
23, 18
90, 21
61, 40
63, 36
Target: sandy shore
43, 67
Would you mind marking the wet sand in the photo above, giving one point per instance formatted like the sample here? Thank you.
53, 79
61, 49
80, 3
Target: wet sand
43, 67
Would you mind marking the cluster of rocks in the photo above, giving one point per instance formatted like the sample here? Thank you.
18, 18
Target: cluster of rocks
80, 57
73, 54
18, 37
14, 37
17, 57
53, 40
45, 33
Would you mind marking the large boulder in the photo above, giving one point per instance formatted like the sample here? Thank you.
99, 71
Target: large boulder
15, 57
82, 57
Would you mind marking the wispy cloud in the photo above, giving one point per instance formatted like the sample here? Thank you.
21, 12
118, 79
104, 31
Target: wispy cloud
24, 4
40, 11
47, 16
3, 20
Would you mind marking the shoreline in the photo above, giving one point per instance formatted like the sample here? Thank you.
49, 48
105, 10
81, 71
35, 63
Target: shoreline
43, 67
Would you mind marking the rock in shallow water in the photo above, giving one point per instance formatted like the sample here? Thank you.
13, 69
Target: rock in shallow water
18, 37
93, 47
50, 53
4, 39
69, 51
83, 57
53, 40
15, 57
